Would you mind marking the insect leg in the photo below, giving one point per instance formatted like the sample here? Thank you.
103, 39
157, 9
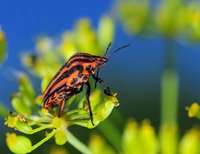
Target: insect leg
103, 84
88, 101
97, 76
62, 104
61, 108
64, 94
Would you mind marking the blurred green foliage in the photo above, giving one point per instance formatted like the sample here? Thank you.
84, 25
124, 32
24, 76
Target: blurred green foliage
169, 18
3, 47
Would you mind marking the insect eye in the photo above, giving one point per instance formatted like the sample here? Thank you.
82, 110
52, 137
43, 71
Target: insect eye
105, 60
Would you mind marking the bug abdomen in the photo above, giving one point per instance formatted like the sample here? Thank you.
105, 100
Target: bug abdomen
57, 98
62, 80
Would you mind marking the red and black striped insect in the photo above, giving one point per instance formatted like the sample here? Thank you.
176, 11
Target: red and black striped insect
71, 78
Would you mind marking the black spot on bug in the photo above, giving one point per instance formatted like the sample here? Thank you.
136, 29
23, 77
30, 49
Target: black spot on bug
60, 97
58, 92
85, 78
74, 81
93, 69
80, 75
88, 67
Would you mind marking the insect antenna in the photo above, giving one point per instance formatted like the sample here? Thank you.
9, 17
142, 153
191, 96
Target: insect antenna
97, 74
105, 55
116, 50
108, 47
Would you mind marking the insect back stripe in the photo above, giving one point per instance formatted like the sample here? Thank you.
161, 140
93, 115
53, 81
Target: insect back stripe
76, 58
63, 68
59, 81
52, 92
81, 56
87, 60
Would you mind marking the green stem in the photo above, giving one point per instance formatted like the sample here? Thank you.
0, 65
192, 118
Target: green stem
50, 135
169, 97
36, 120
75, 111
77, 144
42, 128
170, 84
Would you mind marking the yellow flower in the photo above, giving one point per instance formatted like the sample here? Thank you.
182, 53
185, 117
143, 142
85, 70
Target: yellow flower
190, 142
130, 138
148, 138
11, 121
193, 110
168, 138
99, 146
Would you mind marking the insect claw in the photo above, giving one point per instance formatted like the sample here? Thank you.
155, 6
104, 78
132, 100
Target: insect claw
59, 115
92, 122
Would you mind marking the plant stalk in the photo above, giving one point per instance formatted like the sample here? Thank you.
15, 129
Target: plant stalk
170, 85
77, 144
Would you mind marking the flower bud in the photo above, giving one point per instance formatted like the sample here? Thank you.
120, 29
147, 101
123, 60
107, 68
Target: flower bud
130, 139
99, 146
168, 139
148, 138
61, 136
189, 144
194, 110
18, 144
103, 110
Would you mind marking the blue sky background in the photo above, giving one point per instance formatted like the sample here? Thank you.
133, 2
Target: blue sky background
136, 72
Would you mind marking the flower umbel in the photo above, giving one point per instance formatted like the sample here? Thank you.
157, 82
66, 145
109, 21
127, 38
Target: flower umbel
57, 127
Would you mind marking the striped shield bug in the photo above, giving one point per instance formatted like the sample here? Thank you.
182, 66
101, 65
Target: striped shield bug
71, 78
